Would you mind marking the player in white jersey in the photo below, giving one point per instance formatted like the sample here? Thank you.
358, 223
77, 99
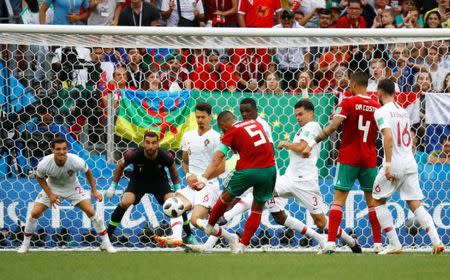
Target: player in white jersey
399, 172
57, 175
198, 148
300, 181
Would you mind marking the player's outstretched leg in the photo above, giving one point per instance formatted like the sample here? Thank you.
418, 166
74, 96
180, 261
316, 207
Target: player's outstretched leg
174, 240
217, 231
426, 221
387, 224
240, 207
296, 225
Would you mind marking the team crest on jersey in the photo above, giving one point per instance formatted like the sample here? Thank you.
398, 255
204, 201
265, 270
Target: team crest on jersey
206, 142
70, 172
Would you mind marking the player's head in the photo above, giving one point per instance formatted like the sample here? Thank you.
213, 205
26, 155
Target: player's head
225, 120
248, 109
59, 149
359, 80
386, 90
151, 143
203, 115
445, 142
304, 111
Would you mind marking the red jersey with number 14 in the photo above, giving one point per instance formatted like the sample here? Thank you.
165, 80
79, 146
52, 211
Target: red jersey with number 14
359, 131
251, 142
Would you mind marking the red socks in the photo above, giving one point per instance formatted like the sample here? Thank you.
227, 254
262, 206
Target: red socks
334, 222
219, 208
376, 228
251, 226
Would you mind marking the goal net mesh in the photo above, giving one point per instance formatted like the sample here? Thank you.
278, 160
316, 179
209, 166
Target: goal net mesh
101, 92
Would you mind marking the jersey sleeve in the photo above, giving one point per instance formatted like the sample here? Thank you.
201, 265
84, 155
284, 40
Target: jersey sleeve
382, 119
184, 147
342, 109
227, 138
129, 157
79, 164
216, 142
168, 159
40, 170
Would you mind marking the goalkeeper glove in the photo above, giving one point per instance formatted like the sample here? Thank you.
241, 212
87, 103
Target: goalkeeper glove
111, 190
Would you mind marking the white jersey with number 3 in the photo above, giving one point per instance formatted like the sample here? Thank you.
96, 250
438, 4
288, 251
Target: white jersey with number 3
396, 118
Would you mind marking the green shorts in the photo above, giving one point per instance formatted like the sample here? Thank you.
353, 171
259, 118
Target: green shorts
346, 176
261, 179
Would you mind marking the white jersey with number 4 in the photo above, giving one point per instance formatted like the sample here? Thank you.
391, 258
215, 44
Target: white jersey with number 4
394, 117
304, 169
200, 149
61, 179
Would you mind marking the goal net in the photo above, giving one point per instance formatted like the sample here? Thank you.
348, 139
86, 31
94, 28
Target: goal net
102, 87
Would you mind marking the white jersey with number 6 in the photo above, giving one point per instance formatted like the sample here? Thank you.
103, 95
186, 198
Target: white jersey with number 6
394, 117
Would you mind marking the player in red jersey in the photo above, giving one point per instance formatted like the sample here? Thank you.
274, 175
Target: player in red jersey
255, 168
357, 155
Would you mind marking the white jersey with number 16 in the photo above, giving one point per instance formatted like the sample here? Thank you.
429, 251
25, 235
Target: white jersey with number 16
396, 118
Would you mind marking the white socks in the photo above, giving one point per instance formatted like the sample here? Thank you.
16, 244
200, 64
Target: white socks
300, 227
30, 227
350, 241
99, 227
209, 244
243, 205
177, 227
387, 224
426, 222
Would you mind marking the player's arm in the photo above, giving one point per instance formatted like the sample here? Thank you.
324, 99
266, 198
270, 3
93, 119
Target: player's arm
327, 131
117, 174
388, 147
324, 134
295, 147
54, 199
90, 178
173, 171
185, 162
215, 167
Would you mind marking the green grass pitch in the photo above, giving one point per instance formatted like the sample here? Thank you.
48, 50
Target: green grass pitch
182, 266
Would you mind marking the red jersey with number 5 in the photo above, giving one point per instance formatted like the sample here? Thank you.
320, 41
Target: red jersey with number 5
359, 131
251, 142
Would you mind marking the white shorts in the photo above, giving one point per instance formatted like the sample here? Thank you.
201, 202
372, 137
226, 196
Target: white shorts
206, 197
74, 196
406, 184
307, 194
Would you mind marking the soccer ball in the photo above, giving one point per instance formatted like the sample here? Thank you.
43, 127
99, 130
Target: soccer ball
173, 207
